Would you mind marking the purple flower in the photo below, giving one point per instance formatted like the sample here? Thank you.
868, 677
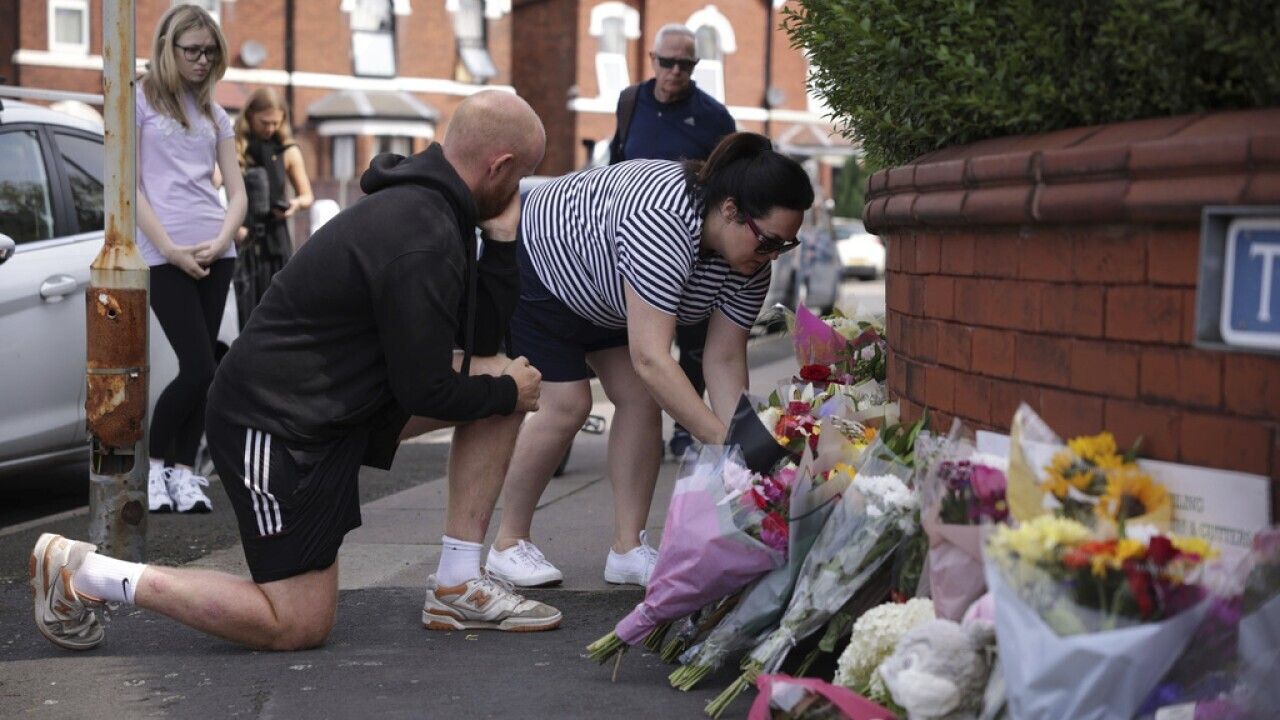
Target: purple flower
988, 483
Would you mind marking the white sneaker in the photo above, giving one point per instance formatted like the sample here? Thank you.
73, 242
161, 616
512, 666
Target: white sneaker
484, 603
62, 615
632, 567
184, 488
522, 565
158, 500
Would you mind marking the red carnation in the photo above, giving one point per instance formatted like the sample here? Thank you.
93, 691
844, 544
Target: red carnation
799, 408
1161, 550
815, 373
1140, 588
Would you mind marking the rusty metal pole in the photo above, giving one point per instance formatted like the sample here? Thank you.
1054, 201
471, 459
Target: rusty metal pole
117, 317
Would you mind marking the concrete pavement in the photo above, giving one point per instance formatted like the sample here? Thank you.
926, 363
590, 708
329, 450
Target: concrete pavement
379, 660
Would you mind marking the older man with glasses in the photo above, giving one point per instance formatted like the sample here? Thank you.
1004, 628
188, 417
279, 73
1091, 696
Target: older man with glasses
669, 118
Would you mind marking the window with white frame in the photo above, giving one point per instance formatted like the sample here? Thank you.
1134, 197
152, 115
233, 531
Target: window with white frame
474, 62
69, 26
373, 36
709, 74
613, 23
213, 7
342, 157
715, 40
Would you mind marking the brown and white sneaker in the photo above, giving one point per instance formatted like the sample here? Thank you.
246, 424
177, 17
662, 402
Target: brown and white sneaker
484, 603
62, 615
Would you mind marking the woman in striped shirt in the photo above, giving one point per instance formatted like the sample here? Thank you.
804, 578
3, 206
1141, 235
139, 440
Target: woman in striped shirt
611, 260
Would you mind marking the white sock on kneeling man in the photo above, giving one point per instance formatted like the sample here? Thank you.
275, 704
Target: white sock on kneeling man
106, 578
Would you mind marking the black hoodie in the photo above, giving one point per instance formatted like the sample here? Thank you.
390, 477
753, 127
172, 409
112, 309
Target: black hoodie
357, 332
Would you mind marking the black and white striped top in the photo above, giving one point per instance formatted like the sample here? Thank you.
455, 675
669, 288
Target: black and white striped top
587, 232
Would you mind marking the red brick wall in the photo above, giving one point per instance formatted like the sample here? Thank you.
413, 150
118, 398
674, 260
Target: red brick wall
9, 30
1092, 324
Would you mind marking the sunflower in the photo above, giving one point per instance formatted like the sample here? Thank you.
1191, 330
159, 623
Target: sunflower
1094, 449
1130, 493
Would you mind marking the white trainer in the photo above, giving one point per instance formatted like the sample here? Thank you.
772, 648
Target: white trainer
62, 615
522, 565
184, 488
158, 500
484, 603
632, 567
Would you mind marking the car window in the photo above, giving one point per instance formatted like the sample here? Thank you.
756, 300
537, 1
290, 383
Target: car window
26, 212
83, 160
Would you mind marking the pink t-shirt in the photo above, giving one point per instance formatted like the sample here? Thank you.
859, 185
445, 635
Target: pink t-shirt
175, 167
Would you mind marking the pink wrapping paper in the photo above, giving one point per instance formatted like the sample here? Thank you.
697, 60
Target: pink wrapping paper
816, 342
699, 561
955, 566
850, 703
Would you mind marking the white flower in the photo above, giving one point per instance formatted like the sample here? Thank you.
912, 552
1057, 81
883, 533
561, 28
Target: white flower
737, 480
874, 637
886, 492
769, 417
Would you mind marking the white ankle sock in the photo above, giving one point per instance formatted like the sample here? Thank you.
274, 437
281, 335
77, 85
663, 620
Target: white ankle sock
107, 578
459, 561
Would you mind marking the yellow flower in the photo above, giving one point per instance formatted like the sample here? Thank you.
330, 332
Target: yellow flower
1130, 493
1039, 539
1057, 485
1093, 448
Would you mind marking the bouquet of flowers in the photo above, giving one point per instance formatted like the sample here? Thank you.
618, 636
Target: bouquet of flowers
860, 535
962, 489
1110, 613
1259, 634
767, 433
717, 539
812, 499
1088, 479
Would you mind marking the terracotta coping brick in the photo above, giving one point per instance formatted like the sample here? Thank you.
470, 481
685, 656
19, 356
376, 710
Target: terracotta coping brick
1157, 170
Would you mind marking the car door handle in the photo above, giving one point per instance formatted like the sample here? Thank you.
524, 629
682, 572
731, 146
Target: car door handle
58, 286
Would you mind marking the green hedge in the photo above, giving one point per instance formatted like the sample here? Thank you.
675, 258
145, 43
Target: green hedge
909, 76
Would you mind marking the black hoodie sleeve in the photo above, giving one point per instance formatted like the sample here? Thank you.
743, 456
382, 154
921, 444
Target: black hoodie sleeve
497, 290
415, 298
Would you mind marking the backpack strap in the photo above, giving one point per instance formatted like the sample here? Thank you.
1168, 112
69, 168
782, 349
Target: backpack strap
626, 109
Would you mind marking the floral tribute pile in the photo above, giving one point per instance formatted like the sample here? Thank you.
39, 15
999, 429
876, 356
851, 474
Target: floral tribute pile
856, 567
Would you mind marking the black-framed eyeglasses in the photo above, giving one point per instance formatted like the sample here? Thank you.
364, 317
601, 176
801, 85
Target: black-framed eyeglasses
768, 244
193, 52
666, 63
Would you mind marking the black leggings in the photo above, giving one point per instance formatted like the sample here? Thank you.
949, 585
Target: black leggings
190, 312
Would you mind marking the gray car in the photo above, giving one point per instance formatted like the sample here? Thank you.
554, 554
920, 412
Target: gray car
51, 219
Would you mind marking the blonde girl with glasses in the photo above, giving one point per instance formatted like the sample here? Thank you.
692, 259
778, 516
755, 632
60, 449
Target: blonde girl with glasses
185, 234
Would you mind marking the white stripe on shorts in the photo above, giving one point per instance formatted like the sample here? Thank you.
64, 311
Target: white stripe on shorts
257, 478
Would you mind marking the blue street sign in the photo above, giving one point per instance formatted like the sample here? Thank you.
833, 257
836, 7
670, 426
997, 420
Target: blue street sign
1251, 284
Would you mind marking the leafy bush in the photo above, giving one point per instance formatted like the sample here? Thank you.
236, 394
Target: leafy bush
909, 76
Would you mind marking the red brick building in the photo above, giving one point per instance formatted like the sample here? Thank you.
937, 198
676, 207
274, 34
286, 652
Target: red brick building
365, 76
573, 57
361, 76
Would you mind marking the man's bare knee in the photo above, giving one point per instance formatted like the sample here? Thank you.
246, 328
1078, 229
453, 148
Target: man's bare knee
301, 634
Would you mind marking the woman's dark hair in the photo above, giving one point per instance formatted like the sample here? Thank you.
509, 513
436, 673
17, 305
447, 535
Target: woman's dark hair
745, 167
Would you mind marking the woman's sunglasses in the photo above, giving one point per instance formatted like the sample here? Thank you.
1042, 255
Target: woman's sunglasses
768, 244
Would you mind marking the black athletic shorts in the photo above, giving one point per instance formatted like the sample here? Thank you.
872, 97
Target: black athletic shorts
293, 505
551, 335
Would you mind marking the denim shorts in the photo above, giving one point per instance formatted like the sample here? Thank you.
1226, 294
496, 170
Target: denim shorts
552, 336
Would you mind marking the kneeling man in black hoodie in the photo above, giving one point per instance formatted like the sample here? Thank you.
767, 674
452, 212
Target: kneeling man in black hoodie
367, 335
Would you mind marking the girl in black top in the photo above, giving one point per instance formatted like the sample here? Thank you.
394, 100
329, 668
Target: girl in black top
268, 157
